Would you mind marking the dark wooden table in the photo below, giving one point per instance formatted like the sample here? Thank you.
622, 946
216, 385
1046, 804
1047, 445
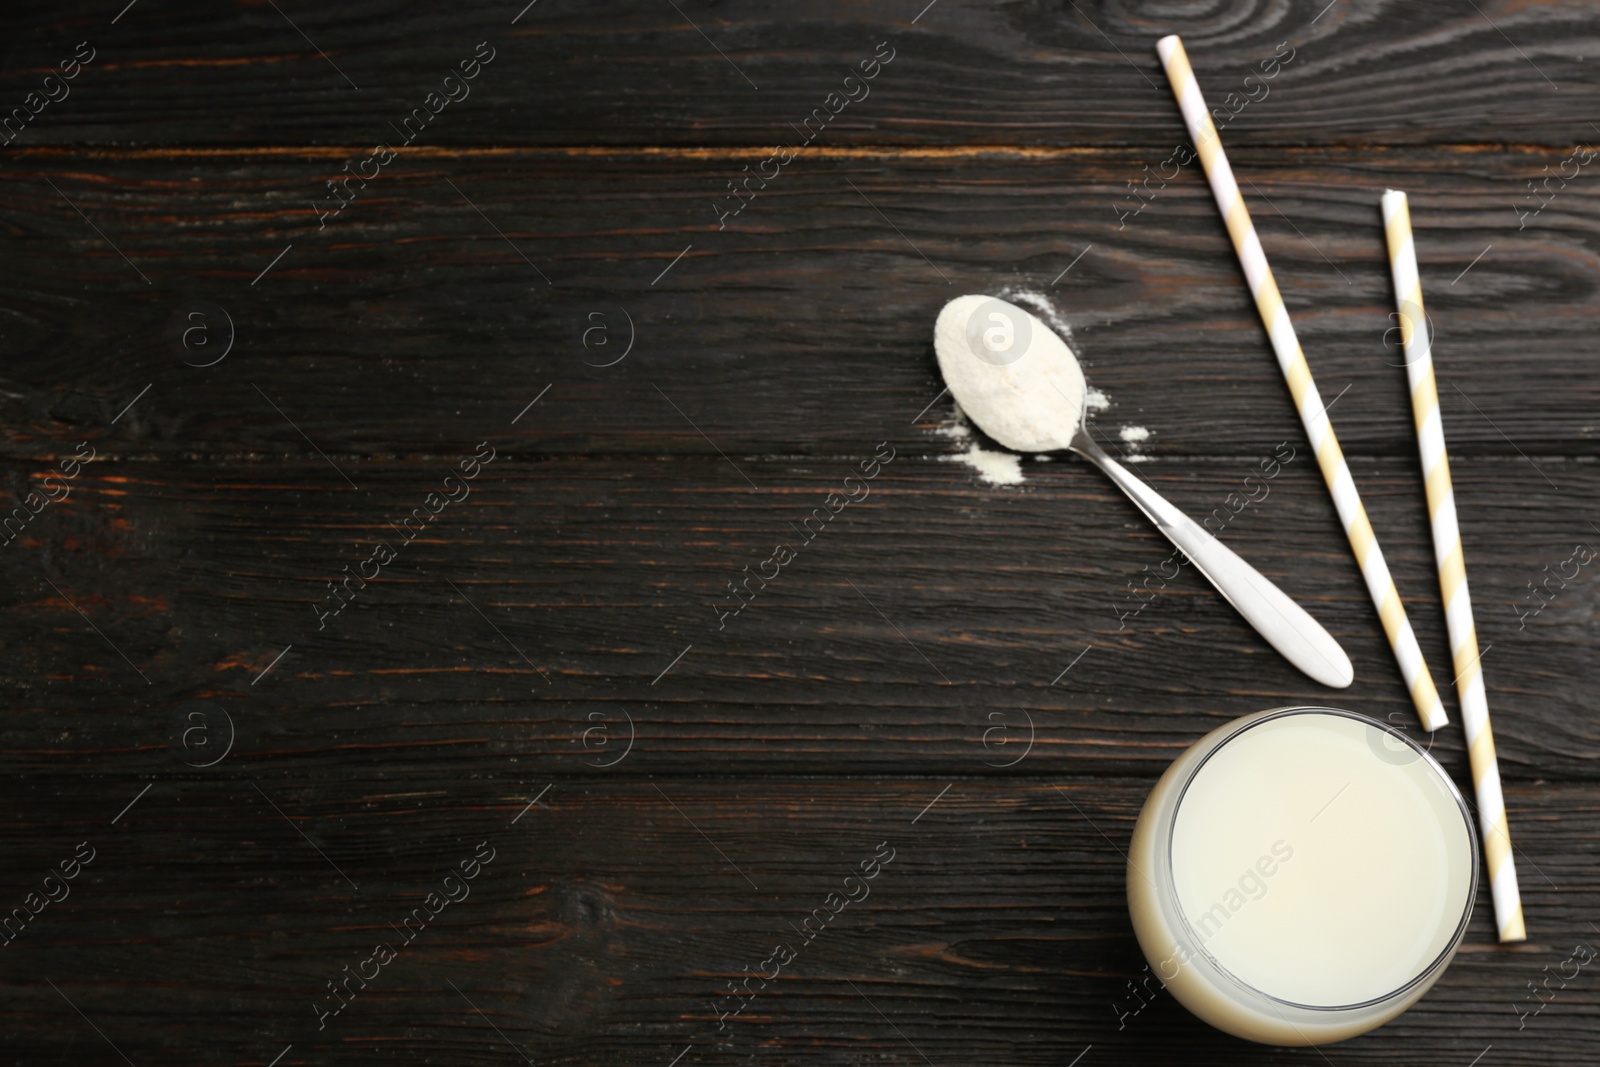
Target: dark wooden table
415, 499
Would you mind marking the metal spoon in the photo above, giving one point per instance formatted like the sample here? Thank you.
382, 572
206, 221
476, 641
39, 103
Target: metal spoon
1020, 383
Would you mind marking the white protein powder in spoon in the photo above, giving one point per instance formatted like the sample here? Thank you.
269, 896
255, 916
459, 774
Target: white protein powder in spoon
1013, 375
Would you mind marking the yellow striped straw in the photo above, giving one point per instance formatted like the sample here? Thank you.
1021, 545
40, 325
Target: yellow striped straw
1313, 414
1417, 338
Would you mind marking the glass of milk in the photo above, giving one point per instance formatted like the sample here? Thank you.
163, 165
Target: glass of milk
1302, 875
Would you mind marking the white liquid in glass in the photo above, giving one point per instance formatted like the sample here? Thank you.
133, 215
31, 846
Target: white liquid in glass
1300, 876
1366, 898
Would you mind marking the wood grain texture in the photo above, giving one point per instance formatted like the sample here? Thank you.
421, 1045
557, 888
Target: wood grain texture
620, 73
600, 575
958, 670
999, 925
801, 328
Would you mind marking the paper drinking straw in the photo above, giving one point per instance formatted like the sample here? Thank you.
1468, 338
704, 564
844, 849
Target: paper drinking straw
1417, 339
1292, 360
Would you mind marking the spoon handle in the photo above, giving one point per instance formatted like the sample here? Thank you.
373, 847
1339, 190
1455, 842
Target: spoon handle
1284, 624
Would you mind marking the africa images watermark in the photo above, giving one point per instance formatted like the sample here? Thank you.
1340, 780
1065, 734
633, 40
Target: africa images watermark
34, 501
785, 554
456, 88
1230, 108
1232, 506
1581, 556
784, 953
856, 88
455, 489
38, 99
12, 925
1582, 954
1537, 192
1250, 886
415, 921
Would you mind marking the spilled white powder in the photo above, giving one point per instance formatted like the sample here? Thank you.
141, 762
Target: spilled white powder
1010, 372
1133, 437
1095, 400
1041, 304
996, 468
957, 428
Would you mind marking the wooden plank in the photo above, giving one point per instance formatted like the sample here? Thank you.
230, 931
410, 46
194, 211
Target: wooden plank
920, 631
611, 920
1357, 72
952, 668
801, 328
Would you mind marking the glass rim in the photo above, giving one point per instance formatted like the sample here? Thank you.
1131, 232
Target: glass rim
1433, 965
